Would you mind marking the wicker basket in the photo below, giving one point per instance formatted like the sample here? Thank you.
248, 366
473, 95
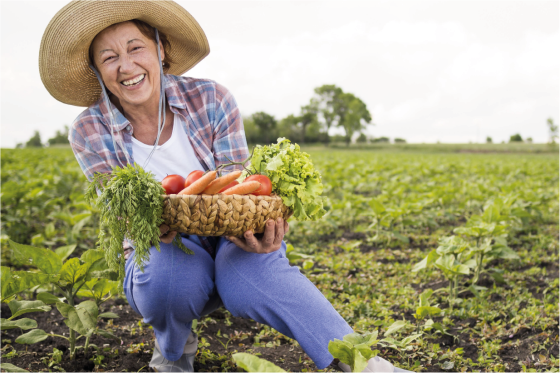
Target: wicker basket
220, 214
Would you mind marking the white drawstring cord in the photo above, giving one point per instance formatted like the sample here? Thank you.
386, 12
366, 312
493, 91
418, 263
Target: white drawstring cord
161, 107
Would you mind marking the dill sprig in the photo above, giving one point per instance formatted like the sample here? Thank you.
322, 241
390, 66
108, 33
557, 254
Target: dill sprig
130, 201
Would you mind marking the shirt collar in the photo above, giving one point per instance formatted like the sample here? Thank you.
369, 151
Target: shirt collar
172, 94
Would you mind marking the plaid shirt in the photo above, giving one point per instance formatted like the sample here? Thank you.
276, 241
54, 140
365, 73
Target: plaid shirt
211, 121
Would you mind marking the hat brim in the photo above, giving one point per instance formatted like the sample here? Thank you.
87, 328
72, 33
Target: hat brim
64, 52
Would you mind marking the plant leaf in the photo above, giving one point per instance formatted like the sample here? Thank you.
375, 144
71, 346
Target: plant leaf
395, 326
107, 334
46, 260
253, 363
24, 306
108, 315
34, 336
73, 272
72, 320
48, 298
24, 324
11, 368
64, 252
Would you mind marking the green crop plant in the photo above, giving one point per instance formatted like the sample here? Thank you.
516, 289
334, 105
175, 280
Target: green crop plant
354, 350
85, 276
489, 232
454, 258
425, 311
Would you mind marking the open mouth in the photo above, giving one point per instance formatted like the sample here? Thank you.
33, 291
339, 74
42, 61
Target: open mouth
133, 82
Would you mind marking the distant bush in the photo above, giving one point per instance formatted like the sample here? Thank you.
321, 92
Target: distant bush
381, 139
488, 140
515, 138
399, 140
35, 141
61, 137
529, 140
362, 138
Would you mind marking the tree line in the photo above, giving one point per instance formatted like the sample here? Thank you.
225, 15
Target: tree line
329, 107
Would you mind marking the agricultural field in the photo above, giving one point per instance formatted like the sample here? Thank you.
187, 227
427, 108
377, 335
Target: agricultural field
452, 258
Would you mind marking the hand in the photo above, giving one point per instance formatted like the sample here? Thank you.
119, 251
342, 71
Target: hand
270, 241
166, 235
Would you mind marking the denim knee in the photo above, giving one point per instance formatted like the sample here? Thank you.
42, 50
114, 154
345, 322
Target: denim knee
173, 284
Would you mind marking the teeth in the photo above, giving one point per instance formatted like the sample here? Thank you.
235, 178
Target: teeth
134, 81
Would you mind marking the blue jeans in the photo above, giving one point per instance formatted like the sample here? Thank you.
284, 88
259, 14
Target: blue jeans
176, 288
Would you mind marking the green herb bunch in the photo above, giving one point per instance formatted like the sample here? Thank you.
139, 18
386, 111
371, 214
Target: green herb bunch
131, 204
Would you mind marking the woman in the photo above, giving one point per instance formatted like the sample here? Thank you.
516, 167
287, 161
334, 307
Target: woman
111, 57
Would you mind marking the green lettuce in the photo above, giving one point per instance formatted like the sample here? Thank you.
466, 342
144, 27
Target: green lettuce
293, 177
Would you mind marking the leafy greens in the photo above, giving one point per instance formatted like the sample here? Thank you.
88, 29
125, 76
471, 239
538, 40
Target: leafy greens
293, 177
131, 204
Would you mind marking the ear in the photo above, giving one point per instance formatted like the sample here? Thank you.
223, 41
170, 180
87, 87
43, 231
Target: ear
161, 51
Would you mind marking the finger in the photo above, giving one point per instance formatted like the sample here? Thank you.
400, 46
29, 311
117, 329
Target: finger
286, 227
168, 237
238, 242
269, 233
253, 244
163, 229
279, 232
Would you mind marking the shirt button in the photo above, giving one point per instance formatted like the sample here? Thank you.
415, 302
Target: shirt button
128, 128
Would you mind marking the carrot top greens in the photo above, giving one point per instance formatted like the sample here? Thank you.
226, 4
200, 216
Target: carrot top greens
130, 201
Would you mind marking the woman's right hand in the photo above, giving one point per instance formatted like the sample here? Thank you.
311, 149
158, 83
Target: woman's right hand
166, 235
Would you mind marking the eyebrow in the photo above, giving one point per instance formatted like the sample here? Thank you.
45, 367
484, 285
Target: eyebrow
110, 50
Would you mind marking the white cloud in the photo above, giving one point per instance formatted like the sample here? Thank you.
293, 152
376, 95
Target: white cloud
420, 33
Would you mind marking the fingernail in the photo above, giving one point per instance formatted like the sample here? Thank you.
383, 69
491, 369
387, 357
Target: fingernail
279, 220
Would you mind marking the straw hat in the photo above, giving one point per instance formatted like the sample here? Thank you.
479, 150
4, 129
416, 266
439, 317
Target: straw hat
63, 56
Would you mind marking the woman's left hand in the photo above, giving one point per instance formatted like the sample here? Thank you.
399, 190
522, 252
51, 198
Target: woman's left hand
270, 241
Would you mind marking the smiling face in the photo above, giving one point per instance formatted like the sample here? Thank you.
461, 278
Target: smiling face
128, 63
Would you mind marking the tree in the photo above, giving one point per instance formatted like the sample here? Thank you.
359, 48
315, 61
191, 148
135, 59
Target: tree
288, 127
61, 137
308, 117
488, 140
515, 138
399, 140
552, 130
327, 99
252, 133
266, 125
362, 138
35, 141
353, 115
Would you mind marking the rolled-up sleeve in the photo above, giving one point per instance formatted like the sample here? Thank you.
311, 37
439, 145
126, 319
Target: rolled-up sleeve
228, 133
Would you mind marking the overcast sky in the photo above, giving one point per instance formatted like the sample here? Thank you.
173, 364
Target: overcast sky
448, 71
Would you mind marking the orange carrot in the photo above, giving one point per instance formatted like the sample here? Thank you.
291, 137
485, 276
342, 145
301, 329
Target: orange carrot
198, 186
216, 185
243, 188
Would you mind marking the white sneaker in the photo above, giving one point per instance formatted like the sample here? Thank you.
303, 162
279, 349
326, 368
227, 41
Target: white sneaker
375, 365
185, 362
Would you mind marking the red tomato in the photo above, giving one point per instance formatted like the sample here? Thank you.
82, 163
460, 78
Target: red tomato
266, 185
173, 184
233, 183
193, 176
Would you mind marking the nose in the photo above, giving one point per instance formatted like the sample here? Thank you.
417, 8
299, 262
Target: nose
127, 64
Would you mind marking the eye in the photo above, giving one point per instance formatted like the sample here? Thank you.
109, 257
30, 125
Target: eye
135, 48
108, 58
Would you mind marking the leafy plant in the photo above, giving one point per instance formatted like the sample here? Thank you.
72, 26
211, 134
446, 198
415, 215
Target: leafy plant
252, 363
453, 258
354, 349
293, 177
72, 277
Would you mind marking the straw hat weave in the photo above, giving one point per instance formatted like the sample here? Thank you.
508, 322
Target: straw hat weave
63, 56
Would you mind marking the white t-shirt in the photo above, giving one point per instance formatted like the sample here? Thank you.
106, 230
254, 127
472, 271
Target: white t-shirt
176, 156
